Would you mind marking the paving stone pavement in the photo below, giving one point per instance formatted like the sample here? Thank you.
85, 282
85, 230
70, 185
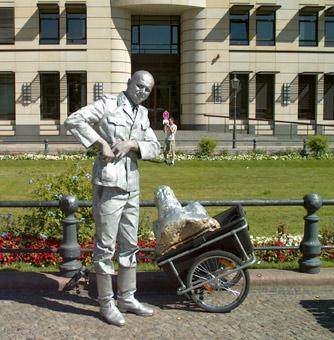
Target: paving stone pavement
267, 313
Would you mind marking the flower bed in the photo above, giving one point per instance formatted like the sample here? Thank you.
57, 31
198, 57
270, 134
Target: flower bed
286, 255
227, 156
8, 240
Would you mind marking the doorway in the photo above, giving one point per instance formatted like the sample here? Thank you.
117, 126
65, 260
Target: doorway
155, 48
265, 90
158, 102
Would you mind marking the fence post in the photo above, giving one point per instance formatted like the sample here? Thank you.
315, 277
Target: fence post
310, 246
69, 248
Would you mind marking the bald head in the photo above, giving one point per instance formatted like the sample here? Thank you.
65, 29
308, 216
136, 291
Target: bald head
139, 86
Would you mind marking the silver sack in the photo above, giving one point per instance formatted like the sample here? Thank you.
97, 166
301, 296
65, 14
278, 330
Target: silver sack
176, 224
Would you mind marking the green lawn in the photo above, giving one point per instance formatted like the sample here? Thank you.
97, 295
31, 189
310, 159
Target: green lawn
201, 180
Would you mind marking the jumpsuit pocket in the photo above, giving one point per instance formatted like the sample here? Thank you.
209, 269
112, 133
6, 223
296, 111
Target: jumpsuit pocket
143, 128
117, 127
109, 172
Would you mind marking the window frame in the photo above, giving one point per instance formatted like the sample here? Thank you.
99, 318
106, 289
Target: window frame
234, 20
9, 116
309, 43
47, 10
328, 43
262, 42
138, 47
10, 28
76, 9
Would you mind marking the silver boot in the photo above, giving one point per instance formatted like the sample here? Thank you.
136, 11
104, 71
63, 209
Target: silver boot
126, 286
107, 304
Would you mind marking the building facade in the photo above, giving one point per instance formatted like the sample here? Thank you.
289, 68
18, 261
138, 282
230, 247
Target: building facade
264, 66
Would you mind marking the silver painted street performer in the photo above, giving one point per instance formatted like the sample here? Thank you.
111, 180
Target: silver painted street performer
121, 128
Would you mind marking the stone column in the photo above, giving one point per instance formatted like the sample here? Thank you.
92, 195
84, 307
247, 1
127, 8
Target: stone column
120, 49
193, 69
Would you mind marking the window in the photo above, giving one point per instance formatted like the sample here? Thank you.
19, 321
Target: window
239, 28
265, 96
329, 97
76, 91
7, 25
329, 30
308, 29
7, 95
306, 96
50, 95
242, 97
155, 34
76, 24
265, 29
49, 24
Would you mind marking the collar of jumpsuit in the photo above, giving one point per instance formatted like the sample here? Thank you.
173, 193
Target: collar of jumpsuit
128, 106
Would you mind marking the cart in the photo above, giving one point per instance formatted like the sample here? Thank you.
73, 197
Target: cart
212, 268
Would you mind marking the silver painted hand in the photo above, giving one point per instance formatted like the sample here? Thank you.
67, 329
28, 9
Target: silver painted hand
122, 148
105, 150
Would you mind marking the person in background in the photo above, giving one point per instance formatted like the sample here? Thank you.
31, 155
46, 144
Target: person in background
170, 129
121, 129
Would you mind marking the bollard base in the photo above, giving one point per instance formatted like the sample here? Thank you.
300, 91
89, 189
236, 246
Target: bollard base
69, 269
310, 266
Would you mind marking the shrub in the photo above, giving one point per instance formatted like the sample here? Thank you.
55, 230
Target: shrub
92, 151
48, 221
7, 223
206, 146
318, 145
145, 231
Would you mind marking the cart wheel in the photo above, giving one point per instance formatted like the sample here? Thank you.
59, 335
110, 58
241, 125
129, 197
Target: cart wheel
223, 293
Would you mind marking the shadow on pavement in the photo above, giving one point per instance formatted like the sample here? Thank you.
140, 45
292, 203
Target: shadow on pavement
322, 310
58, 302
24, 281
71, 303
169, 302
43, 291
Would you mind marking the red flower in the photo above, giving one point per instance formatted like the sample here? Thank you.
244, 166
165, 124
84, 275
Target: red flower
281, 257
279, 243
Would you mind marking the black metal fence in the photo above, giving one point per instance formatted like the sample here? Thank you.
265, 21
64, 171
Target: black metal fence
70, 250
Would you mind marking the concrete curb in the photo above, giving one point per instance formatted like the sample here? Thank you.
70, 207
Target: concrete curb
158, 281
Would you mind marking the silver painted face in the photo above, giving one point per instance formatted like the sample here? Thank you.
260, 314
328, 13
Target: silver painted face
140, 87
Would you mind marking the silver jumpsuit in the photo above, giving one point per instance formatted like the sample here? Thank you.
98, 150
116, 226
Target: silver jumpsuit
116, 183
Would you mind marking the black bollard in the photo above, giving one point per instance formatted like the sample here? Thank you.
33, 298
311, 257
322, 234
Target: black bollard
310, 246
46, 146
304, 152
69, 248
254, 145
